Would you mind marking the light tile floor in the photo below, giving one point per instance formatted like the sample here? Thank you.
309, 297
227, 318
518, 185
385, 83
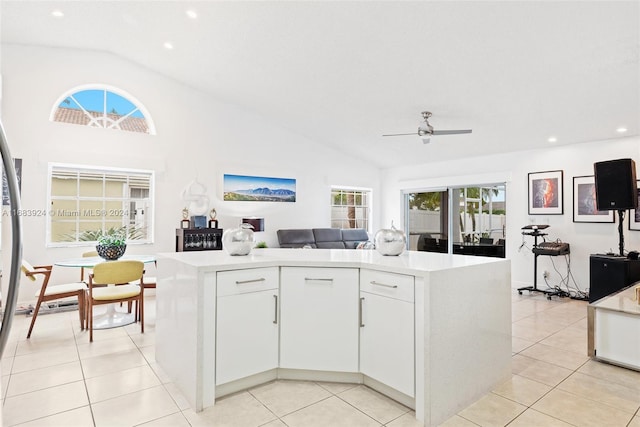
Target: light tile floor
58, 379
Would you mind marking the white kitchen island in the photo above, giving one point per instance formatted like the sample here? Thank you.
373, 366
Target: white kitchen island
430, 330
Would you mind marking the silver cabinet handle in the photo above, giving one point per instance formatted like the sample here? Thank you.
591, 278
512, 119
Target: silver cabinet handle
360, 313
311, 279
275, 314
373, 282
246, 282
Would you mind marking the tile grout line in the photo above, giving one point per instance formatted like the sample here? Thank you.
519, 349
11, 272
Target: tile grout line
265, 406
84, 380
360, 410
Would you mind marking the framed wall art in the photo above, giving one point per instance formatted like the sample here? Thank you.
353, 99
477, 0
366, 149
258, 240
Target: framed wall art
546, 193
584, 201
634, 215
258, 189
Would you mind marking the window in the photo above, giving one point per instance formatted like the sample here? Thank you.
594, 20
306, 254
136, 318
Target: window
104, 107
85, 201
350, 208
472, 215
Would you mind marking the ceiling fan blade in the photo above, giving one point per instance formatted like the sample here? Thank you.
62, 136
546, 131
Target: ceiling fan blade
451, 132
401, 134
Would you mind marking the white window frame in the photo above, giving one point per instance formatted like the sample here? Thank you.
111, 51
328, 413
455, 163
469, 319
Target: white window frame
95, 86
105, 170
369, 205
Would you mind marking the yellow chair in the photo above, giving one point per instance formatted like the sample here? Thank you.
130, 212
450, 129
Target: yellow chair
149, 283
118, 275
54, 292
86, 255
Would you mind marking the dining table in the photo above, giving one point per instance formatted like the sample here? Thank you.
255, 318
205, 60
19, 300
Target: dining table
112, 318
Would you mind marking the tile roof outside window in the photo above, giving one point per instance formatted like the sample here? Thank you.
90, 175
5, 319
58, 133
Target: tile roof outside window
102, 106
78, 117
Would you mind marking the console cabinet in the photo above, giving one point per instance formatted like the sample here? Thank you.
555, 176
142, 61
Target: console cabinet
198, 239
247, 323
387, 329
319, 319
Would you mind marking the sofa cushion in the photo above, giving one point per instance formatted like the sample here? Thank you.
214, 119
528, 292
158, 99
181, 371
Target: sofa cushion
296, 238
327, 234
353, 236
328, 238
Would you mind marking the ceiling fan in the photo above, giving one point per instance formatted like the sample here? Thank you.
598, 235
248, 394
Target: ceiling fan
425, 130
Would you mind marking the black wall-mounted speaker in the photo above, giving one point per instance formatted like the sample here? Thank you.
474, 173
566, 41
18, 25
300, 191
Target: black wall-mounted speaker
616, 187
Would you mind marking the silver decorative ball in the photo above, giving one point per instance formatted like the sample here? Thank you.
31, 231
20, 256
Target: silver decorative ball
238, 241
390, 241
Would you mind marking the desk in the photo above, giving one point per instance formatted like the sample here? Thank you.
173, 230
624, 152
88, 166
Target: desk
112, 318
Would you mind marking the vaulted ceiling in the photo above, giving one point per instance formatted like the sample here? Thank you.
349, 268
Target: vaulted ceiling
344, 73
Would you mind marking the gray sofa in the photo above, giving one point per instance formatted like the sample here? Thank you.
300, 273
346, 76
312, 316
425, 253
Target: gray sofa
322, 238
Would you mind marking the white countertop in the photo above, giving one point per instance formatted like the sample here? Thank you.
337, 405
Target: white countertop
409, 262
623, 301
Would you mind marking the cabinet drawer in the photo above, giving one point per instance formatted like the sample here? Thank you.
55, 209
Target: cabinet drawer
244, 281
393, 285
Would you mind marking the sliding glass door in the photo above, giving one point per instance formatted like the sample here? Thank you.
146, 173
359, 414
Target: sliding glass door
462, 220
427, 220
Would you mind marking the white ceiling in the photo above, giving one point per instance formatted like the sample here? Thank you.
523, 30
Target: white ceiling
344, 73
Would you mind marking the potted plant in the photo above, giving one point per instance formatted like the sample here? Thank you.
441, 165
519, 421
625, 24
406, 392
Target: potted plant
261, 245
111, 246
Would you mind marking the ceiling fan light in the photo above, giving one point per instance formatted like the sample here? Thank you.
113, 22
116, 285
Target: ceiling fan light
425, 129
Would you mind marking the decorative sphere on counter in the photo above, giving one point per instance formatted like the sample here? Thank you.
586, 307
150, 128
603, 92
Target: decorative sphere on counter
238, 241
390, 241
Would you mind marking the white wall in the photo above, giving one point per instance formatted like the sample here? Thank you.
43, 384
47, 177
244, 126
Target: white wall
197, 137
201, 137
513, 168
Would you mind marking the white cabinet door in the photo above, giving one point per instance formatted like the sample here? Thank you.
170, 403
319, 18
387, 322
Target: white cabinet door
247, 323
387, 330
319, 319
617, 337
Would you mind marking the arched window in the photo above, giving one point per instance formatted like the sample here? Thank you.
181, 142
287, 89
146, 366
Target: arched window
104, 107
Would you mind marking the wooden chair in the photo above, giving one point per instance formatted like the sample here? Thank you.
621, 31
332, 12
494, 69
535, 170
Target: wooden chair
86, 255
149, 283
118, 275
54, 292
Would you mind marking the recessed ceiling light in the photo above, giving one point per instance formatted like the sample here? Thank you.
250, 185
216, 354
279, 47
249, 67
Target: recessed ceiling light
621, 129
192, 14
552, 139
57, 13
168, 45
